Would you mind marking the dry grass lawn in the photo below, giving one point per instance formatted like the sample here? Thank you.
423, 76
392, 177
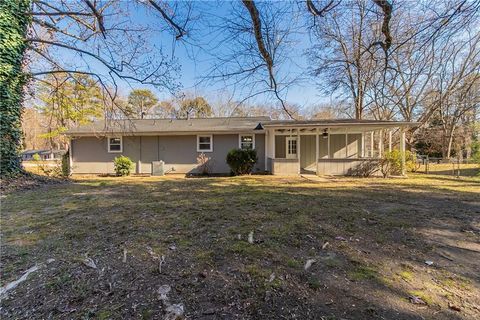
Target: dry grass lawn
368, 239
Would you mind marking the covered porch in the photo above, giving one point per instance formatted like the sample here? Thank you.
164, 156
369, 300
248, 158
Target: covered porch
330, 147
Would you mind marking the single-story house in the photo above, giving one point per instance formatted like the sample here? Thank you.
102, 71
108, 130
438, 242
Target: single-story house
44, 154
322, 147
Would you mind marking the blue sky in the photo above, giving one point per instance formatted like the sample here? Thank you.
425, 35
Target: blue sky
195, 55
196, 61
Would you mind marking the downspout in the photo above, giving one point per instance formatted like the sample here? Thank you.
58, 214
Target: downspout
70, 155
266, 150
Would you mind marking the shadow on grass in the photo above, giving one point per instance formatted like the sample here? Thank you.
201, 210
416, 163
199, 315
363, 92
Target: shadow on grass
216, 272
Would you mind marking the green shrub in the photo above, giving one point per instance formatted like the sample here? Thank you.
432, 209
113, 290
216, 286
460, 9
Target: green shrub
36, 157
241, 161
391, 163
123, 166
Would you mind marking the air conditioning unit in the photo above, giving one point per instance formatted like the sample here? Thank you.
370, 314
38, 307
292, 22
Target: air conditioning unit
158, 168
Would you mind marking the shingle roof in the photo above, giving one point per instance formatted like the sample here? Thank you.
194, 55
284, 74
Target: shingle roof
231, 124
171, 125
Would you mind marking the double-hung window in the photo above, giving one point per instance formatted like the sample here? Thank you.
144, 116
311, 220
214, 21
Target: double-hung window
205, 143
247, 141
114, 144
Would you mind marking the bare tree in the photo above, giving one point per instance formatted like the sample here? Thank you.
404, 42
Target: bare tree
103, 40
342, 62
256, 56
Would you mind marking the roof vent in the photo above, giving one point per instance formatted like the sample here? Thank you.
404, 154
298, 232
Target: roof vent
259, 126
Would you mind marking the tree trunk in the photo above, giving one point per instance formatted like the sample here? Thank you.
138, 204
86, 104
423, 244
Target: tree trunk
14, 22
450, 142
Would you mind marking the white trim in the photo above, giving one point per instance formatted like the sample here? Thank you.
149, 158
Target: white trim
346, 143
363, 145
380, 144
389, 140
372, 144
265, 149
70, 156
274, 141
298, 151
402, 150
198, 142
328, 145
292, 156
108, 144
246, 134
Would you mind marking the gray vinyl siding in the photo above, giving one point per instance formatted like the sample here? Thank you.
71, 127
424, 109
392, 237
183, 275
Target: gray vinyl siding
179, 152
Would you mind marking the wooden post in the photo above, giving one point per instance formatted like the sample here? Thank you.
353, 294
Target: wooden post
328, 144
70, 156
298, 151
266, 151
402, 150
317, 151
390, 140
273, 143
346, 142
380, 145
363, 145
371, 144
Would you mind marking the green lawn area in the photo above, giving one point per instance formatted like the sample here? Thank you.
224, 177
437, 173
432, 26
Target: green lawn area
369, 239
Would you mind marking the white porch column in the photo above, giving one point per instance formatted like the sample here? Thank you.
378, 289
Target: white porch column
298, 151
267, 138
390, 140
380, 144
402, 150
362, 151
273, 143
346, 142
70, 155
371, 144
328, 144
317, 151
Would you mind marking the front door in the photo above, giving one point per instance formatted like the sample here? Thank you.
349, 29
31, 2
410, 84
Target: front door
291, 147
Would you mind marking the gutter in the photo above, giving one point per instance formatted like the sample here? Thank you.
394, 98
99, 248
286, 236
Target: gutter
345, 124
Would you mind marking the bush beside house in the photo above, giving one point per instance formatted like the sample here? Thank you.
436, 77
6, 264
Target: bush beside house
241, 161
123, 166
391, 162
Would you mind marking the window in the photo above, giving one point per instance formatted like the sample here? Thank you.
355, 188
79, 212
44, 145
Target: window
205, 143
291, 147
247, 141
115, 144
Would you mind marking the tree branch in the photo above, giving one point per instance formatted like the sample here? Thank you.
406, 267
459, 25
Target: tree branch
180, 30
387, 8
320, 13
98, 16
